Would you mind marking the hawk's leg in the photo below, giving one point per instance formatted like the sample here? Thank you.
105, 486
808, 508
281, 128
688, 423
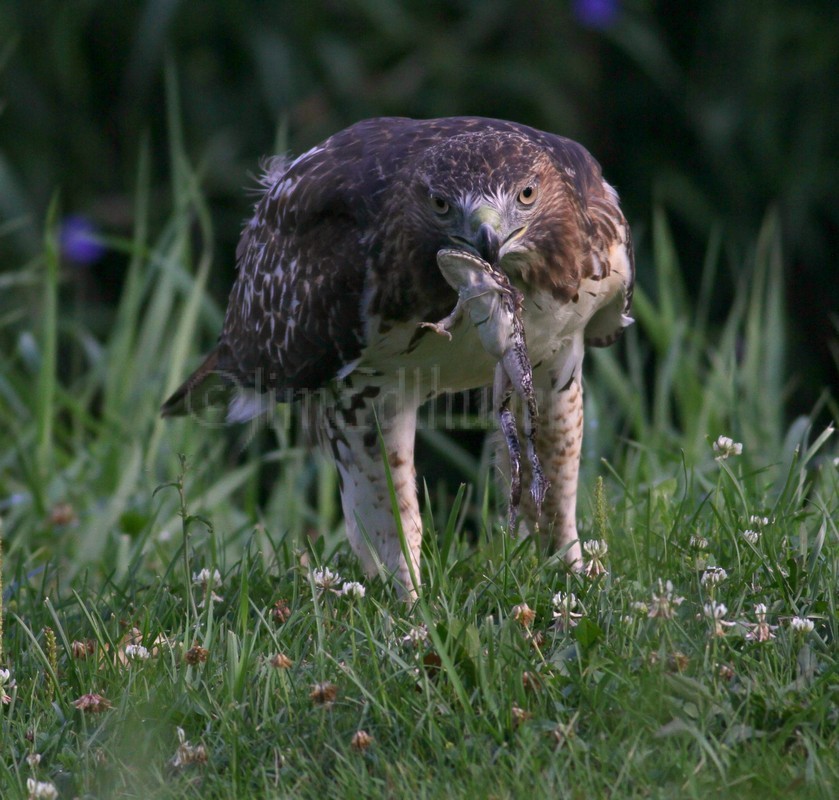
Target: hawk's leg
560, 442
354, 440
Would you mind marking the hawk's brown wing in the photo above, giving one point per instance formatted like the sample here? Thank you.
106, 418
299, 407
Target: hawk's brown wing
294, 318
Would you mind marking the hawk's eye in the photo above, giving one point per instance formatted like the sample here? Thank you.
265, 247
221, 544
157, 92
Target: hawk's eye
439, 205
527, 196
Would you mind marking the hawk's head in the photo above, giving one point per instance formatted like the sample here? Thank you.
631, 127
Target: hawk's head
500, 196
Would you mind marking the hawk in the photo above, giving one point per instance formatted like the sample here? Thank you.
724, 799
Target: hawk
338, 270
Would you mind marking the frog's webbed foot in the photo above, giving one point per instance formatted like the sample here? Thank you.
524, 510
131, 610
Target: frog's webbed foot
444, 326
437, 327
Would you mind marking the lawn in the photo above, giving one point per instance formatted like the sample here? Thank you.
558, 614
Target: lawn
181, 616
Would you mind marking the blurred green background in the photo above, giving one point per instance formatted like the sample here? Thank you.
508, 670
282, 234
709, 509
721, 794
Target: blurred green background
715, 111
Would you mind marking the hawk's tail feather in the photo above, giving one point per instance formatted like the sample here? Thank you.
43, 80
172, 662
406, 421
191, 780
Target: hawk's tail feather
205, 387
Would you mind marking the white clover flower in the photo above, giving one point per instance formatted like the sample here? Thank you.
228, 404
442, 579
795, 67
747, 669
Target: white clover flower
759, 522
751, 536
564, 602
564, 605
6, 682
326, 579
353, 589
699, 543
724, 447
596, 551
640, 608
206, 579
136, 652
360, 741
713, 576
715, 610
761, 631
664, 601
416, 636
802, 625
33, 759
41, 790
523, 614
187, 753
596, 548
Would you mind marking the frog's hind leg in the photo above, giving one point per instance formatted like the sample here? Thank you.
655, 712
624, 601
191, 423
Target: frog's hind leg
519, 372
538, 482
503, 391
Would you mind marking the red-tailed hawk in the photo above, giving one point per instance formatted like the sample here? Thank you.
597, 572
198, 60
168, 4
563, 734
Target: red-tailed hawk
339, 267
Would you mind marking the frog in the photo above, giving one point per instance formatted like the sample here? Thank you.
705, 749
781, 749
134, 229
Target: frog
487, 297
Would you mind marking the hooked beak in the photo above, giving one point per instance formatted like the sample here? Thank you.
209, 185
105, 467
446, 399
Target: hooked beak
484, 239
484, 243
487, 243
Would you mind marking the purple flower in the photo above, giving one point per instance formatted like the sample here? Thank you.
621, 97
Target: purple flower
599, 14
79, 240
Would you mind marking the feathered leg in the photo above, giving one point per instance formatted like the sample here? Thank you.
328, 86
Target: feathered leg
559, 441
354, 440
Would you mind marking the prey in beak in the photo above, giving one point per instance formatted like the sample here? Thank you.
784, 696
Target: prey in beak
494, 306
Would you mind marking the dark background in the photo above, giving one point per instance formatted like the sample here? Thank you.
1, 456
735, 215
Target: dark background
717, 111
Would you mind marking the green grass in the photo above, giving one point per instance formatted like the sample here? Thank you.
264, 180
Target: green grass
105, 527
